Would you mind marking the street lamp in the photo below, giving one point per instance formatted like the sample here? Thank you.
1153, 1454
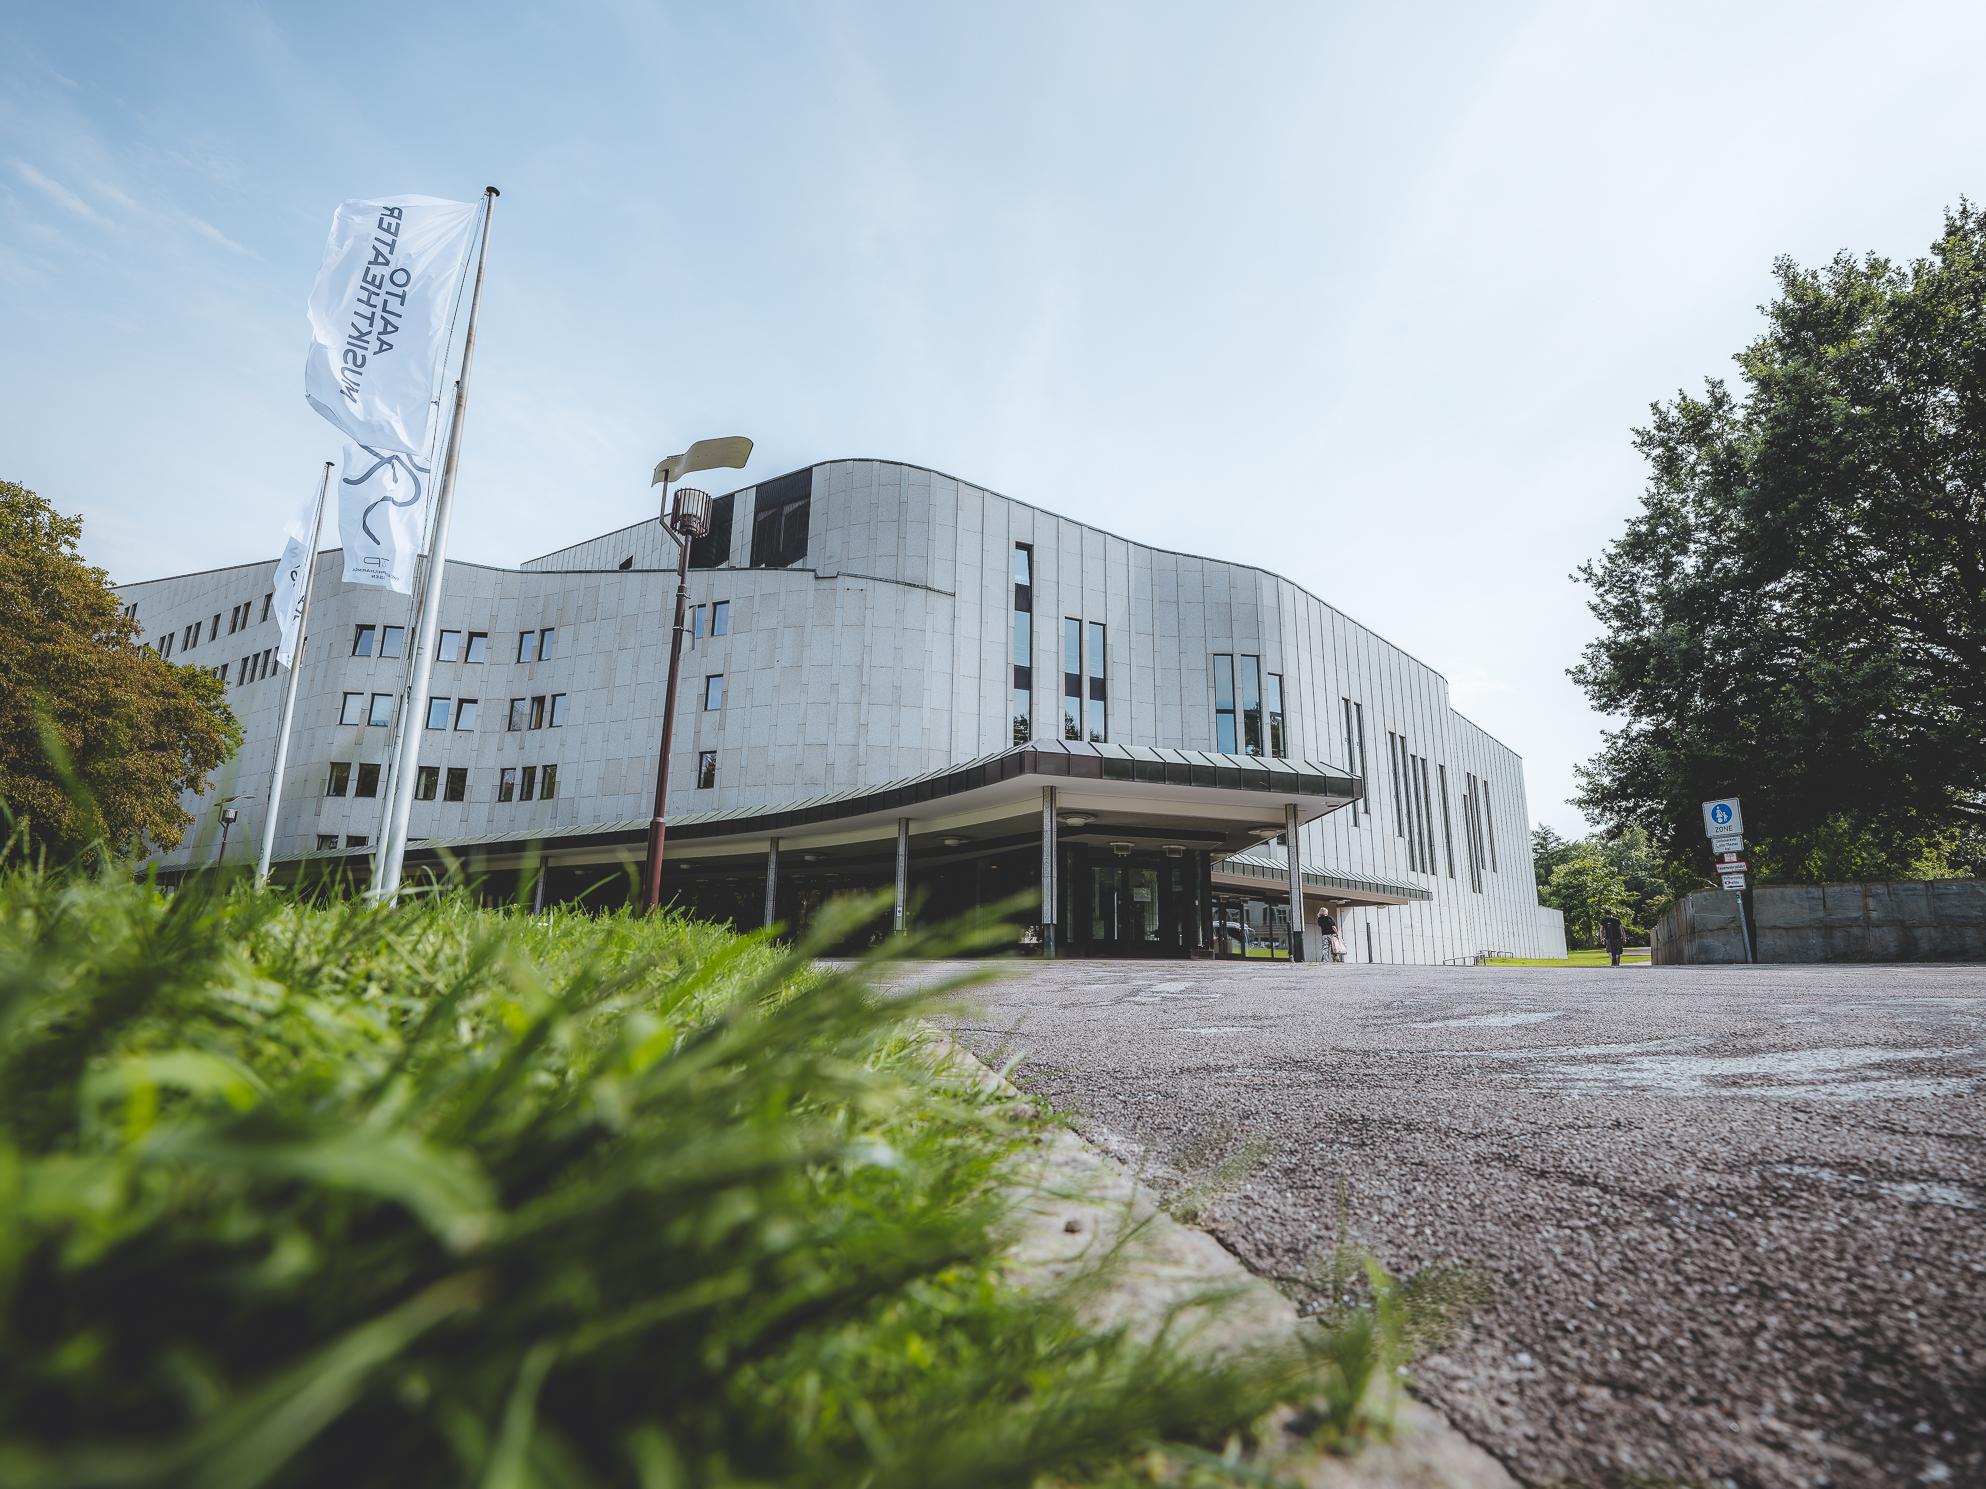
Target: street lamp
229, 816
686, 518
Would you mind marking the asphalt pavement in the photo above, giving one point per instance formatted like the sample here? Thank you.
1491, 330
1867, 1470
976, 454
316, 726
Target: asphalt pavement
1733, 1216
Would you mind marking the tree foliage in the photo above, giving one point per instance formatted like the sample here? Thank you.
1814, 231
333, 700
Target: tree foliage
1798, 614
1587, 877
135, 729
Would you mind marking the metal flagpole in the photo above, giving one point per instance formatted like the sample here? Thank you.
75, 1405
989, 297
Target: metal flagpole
290, 692
395, 848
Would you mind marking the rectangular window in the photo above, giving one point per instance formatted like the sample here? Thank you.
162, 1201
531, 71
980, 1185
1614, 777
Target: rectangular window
706, 770
520, 713
713, 692
426, 779
340, 778
381, 713
234, 620
437, 713
547, 643
1447, 828
550, 788
354, 710
1224, 741
326, 841
713, 549
1072, 678
1472, 834
527, 783
479, 646
696, 622
357, 840
392, 640
1099, 715
527, 646
1399, 796
1251, 705
368, 782
448, 647
362, 638
507, 784
186, 638
1424, 809
779, 520
457, 785
720, 618
1023, 643
1272, 701
215, 631
267, 600
1489, 827
465, 714
538, 712
557, 720
241, 675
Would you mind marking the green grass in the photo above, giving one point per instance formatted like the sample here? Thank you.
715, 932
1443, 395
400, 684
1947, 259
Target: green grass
436, 1195
1576, 959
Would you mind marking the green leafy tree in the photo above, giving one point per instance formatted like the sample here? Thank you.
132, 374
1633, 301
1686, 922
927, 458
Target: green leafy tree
1798, 614
1587, 886
131, 730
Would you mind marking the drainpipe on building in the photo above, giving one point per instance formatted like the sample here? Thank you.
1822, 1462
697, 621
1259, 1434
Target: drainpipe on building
1048, 848
1296, 883
902, 868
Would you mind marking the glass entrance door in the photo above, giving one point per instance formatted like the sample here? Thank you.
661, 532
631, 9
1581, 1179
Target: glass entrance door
1145, 904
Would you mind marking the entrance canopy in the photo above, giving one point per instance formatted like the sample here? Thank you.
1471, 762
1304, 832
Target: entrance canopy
1150, 799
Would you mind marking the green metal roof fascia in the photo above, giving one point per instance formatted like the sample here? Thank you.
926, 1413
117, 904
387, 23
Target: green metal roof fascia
1253, 870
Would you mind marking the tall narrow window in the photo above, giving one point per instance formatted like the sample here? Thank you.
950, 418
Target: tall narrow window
449, 647
1251, 705
1023, 643
381, 714
1424, 813
392, 640
527, 783
720, 618
557, 720
520, 711
465, 714
550, 788
1447, 829
368, 782
362, 637
713, 693
339, 779
1489, 827
1072, 679
548, 643
538, 712
479, 645
437, 716
780, 513
1399, 796
1224, 741
527, 646
1471, 838
353, 711
426, 779
706, 770
1099, 708
696, 622
1272, 703
266, 601
507, 783
456, 788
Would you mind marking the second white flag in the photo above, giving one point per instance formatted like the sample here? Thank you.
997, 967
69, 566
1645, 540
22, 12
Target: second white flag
382, 506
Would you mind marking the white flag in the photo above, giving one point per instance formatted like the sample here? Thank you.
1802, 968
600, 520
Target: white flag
382, 501
378, 314
291, 571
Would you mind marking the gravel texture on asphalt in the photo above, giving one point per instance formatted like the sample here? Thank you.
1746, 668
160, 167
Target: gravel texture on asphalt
1733, 1216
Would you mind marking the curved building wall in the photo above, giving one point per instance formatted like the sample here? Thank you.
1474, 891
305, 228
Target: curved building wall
886, 649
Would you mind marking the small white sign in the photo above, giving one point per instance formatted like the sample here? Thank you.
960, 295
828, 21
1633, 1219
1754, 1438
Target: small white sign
1722, 817
1734, 881
1727, 842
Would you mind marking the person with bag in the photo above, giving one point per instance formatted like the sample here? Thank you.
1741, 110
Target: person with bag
1614, 935
1327, 927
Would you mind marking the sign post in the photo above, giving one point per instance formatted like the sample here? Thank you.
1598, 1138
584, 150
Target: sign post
1724, 825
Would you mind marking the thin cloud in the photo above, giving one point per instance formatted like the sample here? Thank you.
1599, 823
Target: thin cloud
207, 230
60, 193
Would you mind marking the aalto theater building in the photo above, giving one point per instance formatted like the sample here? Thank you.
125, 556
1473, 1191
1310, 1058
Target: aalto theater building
885, 663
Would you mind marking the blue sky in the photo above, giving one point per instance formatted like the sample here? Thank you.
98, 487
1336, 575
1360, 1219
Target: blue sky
1371, 296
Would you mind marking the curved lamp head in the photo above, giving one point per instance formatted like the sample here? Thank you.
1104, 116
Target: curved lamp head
689, 512
706, 454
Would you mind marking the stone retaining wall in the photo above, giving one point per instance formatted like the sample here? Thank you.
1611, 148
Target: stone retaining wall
1928, 920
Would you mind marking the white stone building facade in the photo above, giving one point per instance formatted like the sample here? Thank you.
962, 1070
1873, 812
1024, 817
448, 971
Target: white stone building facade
868, 637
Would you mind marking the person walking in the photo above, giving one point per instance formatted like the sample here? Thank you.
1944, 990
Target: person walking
1614, 935
1327, 927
